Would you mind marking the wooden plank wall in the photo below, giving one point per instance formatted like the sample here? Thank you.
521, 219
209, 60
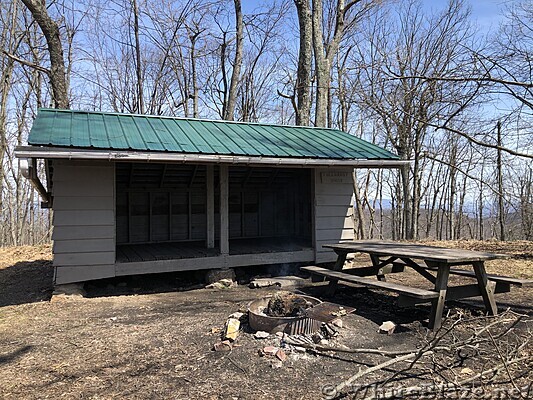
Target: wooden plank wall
84, 220
333, 210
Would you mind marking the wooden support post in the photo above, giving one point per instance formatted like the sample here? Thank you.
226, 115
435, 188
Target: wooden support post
210, 182
224, 210
441, 287
129, 218
378, 266
485, 287
339, 264
419, 269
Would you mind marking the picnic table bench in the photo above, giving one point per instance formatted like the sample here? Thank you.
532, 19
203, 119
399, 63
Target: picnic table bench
393, 257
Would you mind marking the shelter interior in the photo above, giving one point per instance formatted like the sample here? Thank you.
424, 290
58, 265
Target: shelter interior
162, 210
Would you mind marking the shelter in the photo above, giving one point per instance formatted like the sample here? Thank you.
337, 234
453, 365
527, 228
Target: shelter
135, 194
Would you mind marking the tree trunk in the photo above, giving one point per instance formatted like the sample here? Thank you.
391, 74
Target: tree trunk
303, 79
501, 210
229, 109
324, 55
8, 33
194, 78
359, 208
138, 65
50, 30
481, 233
322, 66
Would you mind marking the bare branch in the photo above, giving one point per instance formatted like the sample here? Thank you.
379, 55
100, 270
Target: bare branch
27, 63
461, 79
479, 142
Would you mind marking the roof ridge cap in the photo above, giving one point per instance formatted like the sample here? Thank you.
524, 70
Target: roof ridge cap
46, 109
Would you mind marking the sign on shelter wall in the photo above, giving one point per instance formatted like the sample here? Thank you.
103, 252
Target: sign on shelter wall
336, 177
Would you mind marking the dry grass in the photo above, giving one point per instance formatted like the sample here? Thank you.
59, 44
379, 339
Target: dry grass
520, 265
11, 255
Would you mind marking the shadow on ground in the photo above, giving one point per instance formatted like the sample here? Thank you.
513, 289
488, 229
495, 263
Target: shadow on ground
376, 306
13, 355
178, 281
144, 284
26, 282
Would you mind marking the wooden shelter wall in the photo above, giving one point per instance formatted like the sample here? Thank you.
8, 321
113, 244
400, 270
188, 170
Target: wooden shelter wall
270, 202
84, 220
161, 203
333, 210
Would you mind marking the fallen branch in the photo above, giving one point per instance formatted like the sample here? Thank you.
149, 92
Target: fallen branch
319, 348
445, 342
377, 367
448, 387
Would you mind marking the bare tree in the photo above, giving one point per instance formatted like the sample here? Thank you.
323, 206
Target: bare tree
326, 48
9, 43
138, 66
405, 106
229, 104
51, 32
305, 54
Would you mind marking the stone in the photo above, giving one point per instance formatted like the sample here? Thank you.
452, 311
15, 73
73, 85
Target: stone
324, 342
261, 335
329, 331
317, 337
337, 322
221, 284
236, 315
70, 289
227, 282
270, 350
232, 329
276, 364
61, 297
280, 355
340, 312
224, 345
215, 285
215, 275
387, 327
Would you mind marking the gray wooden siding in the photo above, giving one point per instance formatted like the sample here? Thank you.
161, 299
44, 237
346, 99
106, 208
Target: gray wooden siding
333, 210
84, 220
80, 273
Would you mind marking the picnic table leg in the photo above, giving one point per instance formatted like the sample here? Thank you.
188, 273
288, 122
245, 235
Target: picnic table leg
486, 288
339, 264
379, 272
441, 286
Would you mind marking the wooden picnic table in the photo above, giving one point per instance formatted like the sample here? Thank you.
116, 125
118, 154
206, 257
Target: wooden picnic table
391, 257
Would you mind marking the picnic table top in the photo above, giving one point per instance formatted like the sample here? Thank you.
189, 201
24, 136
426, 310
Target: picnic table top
411, 250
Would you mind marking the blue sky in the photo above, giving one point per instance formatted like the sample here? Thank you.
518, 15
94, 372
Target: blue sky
487, 13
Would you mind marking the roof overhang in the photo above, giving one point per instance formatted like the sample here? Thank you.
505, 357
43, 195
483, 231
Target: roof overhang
71, 153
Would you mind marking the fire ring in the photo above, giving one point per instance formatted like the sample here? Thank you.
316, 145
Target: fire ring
301, 325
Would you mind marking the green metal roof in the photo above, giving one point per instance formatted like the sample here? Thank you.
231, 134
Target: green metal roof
98, 130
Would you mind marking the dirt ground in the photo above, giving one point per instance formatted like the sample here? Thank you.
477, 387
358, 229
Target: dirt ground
152, 336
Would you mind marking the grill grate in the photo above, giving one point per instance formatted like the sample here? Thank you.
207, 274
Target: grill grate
327, 312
